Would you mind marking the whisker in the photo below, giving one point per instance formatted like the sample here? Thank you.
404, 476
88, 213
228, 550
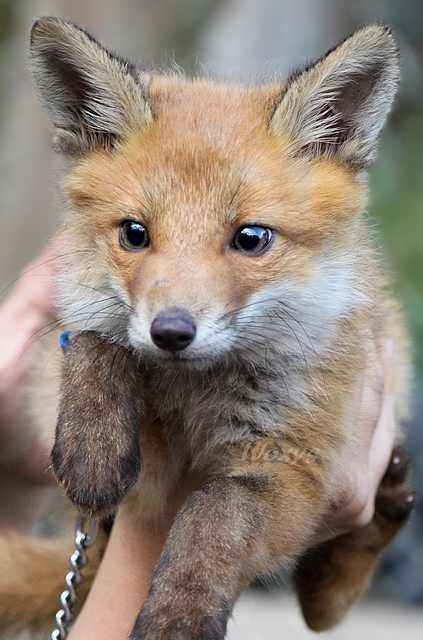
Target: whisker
84, 310
5, 289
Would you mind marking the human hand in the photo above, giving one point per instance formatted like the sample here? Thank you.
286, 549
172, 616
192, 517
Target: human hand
27, 309
364, 461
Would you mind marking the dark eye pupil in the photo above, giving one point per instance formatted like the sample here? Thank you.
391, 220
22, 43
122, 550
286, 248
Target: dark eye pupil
252, 239
249, 239
133, 235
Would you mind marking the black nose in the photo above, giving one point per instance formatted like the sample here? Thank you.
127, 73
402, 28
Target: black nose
173, 330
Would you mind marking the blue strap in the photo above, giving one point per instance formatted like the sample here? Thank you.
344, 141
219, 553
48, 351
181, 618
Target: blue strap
64, 339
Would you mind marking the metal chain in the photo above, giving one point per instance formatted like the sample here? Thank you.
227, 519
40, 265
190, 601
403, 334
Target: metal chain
84, 538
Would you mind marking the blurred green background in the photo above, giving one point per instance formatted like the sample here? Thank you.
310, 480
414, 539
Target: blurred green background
237, 39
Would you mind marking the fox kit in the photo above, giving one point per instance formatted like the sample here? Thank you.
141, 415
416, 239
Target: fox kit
223, 290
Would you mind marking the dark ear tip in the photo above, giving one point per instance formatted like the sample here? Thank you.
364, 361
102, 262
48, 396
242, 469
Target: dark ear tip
377, 28
381, 40
42, 26
50, 28
387, 29
382, 33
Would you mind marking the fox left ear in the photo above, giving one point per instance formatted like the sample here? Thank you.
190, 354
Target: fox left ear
337, 106
93, 97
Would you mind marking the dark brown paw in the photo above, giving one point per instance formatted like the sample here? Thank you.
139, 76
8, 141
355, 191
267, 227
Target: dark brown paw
395, 500
398, 469
177, 630
162, 625
96, 455
96, 487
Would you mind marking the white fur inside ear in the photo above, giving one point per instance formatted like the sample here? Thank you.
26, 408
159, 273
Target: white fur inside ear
339, 105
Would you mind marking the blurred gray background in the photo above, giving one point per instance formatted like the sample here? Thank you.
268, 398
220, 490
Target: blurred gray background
251, 40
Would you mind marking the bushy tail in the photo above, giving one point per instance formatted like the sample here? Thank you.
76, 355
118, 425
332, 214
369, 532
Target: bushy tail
32, 574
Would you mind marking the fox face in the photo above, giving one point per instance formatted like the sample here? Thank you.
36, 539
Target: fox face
208, 221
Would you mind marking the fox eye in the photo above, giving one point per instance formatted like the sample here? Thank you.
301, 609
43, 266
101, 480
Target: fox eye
253, 240
133, 236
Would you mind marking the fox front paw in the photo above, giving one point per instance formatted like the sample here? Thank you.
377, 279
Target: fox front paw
96, 456
163, 624
95, 486
395, 500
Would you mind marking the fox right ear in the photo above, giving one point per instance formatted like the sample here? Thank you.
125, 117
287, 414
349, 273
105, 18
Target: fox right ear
92, 96
338, 106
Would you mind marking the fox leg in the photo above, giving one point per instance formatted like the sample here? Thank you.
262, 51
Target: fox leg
334, 575
228, 531
96, 453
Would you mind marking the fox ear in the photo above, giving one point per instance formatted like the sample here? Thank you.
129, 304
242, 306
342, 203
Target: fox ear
337, 106
92, 96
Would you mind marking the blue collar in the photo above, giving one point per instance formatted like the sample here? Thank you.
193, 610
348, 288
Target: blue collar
64, 339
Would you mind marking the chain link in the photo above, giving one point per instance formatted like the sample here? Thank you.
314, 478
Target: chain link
84, 538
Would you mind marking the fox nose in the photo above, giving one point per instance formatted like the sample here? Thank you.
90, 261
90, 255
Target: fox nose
173, 330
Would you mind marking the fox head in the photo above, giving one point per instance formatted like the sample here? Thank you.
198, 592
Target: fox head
207, 220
